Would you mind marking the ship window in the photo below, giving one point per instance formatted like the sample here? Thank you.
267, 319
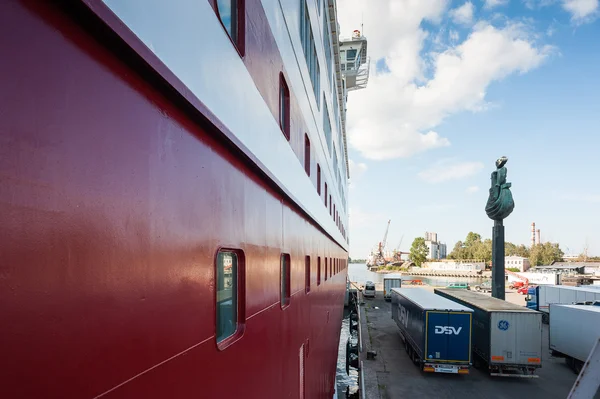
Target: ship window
306, 154
327, 45
285, 280
330, 207
325, 269
284, 107
319, 179
309, 49
231, 13
325, 194
229, 290
343, 67
307, 274
351, 54
327, 126
318, 270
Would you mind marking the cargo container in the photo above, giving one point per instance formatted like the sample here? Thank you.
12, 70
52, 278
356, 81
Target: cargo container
391, 281
573, 332
506, 337
436, 331
541, 297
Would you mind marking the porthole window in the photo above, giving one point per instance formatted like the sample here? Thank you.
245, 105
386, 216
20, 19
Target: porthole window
285, 280
229, 294
231, 14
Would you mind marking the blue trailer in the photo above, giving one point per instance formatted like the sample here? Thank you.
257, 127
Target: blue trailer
435, 330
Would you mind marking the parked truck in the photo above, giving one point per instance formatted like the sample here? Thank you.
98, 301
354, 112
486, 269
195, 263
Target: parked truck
435, 330
540, 298
506, 337
390, 281
573, 332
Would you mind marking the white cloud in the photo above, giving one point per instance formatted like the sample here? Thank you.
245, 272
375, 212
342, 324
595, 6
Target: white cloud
449, 169
464, 14
494, 3
398, 113
453, 36
533, 4
472, 189
581, 10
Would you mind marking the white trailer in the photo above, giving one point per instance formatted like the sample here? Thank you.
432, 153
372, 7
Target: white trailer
560, 294
573, 332
391, 281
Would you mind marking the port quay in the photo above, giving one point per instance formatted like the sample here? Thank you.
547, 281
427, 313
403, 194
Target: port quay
385, 369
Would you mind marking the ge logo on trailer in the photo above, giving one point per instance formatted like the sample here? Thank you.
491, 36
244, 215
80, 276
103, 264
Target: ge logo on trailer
503, 325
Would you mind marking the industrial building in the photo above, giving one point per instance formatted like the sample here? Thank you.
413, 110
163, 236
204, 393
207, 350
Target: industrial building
518, 262
448, 265
437, 250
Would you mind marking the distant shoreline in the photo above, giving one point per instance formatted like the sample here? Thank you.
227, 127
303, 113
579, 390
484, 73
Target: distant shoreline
438, 273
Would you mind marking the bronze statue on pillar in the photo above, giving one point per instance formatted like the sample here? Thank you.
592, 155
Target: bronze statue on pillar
500, 204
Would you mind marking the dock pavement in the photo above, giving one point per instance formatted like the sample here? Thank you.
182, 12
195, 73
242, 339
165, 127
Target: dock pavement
392, 375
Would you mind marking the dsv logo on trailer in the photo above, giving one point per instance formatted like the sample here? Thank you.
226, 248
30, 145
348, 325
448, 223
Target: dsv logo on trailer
447, 330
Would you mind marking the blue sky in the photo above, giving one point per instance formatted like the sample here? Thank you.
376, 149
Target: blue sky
457, 85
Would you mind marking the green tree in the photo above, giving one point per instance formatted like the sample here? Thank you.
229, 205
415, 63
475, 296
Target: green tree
472, 248
472, 238
457, 251
545, 254
511, 249
482, 250
418, 251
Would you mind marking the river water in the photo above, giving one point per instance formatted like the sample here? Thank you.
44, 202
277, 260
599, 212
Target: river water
358, 272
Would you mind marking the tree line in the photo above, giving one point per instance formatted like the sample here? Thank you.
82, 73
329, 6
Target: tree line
473, 248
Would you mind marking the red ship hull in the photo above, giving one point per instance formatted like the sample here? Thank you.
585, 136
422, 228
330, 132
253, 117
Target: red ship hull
115, 199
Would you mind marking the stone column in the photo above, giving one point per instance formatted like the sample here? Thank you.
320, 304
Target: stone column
498, 279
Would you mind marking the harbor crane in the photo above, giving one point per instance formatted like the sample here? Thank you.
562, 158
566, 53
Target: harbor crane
382, 244
397, 256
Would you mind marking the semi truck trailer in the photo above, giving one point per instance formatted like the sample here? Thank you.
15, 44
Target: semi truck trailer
540, 298
435, 330
390, 281
573, 332
507, 338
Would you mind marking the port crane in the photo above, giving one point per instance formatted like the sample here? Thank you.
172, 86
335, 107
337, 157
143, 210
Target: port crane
397, 256
381, 249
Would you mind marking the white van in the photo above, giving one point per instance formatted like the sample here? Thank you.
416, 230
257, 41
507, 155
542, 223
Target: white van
369, 290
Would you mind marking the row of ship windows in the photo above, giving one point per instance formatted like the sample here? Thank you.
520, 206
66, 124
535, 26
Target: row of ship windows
284, 123
231, 13
230, 289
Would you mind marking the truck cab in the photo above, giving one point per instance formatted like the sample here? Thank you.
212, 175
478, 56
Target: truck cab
531, 298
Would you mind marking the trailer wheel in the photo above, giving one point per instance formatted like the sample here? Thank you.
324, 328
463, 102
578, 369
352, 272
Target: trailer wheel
545, 318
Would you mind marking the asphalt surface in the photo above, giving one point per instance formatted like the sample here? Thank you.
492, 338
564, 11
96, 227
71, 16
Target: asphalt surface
393, 375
